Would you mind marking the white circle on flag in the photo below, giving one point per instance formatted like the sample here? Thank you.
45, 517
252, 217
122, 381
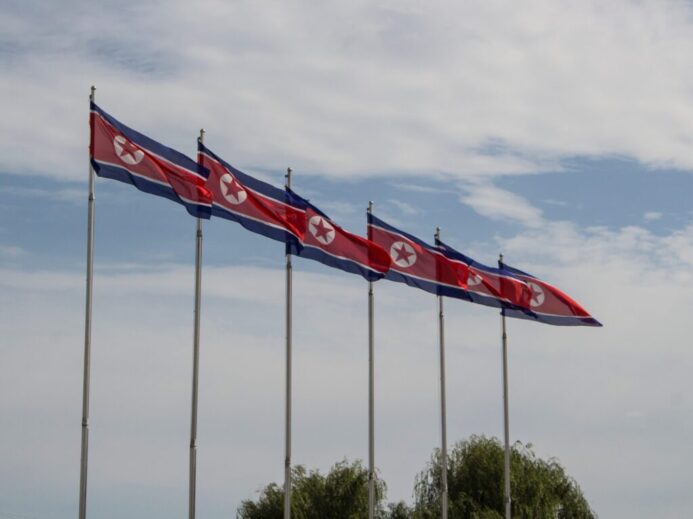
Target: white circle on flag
321, 229
538, 295
474, 279
126, 151
402, 254
232, 190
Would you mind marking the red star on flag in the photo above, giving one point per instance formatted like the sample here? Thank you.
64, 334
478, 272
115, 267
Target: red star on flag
403, 254
537, 294
233, 189
322, 230
128, 147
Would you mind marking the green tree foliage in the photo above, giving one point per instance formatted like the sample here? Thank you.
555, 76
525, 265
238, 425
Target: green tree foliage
540, 489
341, 494
398, 511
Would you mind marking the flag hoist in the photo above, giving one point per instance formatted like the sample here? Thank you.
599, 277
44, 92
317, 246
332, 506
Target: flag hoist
371, 394
192, 478
506, 418
87, 329
287, 430
443, 406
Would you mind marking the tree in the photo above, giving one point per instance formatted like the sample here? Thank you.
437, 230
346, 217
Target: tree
539, 489
341, 494
398, 511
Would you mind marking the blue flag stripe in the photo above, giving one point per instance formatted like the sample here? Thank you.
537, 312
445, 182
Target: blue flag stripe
147, 185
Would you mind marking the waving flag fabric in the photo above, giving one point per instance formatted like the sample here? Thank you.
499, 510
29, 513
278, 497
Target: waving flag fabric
256, 205
123, 154
548, 304
418, 264
328, 243
488, 285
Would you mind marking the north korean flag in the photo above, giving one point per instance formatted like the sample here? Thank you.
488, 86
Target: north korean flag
489, 286
548, 304
123, 154
256, 205
328, 243
418, 264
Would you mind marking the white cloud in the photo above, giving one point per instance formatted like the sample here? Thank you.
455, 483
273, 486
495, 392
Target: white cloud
339, 209
559, 203
416, 188
677, 248
651, 216
404, 207
499, 204
462, 89
59, 194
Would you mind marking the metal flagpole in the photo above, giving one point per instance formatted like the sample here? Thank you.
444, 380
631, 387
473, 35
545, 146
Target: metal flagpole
87, 335
371, 398
196, 365
287, 431
443, 407
506, 420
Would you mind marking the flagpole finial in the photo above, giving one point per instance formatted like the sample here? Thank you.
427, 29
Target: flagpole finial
500, 260
91, 95
370, 206
201, 138
437, 234
288, 177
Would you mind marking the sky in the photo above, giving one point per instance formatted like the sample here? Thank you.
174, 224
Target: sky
558, 133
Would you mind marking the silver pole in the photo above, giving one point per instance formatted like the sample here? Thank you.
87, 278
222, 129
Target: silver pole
196, 365
287, 431
506, 420
371, 398
443, 408
87, 336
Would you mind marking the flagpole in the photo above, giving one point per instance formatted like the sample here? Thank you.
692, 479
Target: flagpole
196, 365
443, 407
287, 430
506, 420
371, 397
87, 332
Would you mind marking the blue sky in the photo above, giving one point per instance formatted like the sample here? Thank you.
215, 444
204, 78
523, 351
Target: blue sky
559, 134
